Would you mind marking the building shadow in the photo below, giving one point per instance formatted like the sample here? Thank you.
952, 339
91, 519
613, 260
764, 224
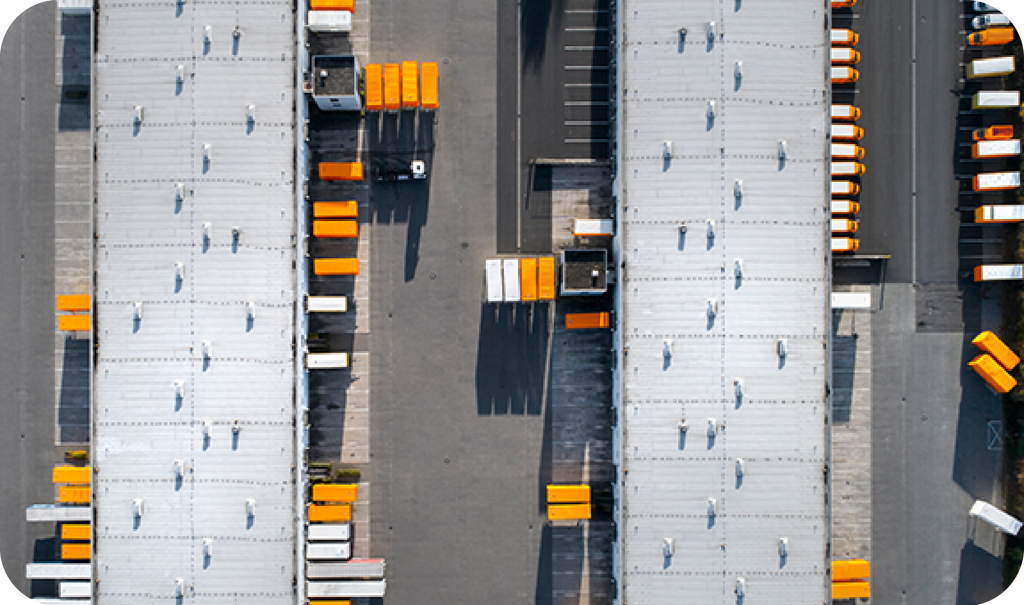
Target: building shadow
976, 583
73, 398
73, 106
544, 593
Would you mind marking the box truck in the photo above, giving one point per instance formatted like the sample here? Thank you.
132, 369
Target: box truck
844, 244
844, 225
993, 373
844, 37
997, 518
996, 181
845, 188
845, 112
990, 343
994, 36
989, 68
999, 214
847, 169
993, 133
847, 151
844, 75
843, 55
845, 207
846, 132
984, 150
998, 272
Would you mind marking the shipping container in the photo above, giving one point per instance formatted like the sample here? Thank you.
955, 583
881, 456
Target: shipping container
546, 278
74, 302
991, 67
993, 373
999, 214
326, 304
847, 151
320, 551
410, 84
336, 229
348, 209
854, 589
336, 266
983, 150
1002, 99
565, 494
333, 492
993, 133
998, 272
991, 344
997, 518
326, 361
844, 244
76, 531
844, 75
996, 181
845, 112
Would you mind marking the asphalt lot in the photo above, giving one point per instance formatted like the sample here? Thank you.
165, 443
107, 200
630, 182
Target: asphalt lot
930, 413
27, 119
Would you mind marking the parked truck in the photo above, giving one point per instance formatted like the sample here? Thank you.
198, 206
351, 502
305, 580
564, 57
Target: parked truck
999, 272
846, 132
843, 55
993, 133
995, 99
845, 37
844, 244
995, 517
845, 207
847, 169
993, 36
985, 150
847, 151
844, 112
844, 225
996, 181
845, 188
991, 67
999, 214
844, 75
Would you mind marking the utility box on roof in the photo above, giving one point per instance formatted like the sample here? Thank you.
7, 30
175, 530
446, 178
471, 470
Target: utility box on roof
336, 83
584, 272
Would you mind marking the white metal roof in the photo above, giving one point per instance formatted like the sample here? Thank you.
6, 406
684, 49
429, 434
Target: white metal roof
778, 228
140, 426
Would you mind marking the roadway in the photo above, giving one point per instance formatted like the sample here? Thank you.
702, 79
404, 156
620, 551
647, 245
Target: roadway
28, 96
930, 414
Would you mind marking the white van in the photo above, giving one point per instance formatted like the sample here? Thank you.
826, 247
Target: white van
991, 19
997, 518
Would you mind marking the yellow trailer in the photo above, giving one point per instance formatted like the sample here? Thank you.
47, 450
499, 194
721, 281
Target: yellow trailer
528, 279
857, 589
546, 278
329, 513
428, 82
566, 494
568, 512
990, 343
327, 492
348, 209
392, 86
374, 87
76, 531
336, 266
335, 229
74, 302
582, 321
410, 84
72, 474
851, 569
74, 323
993, 373
341, 171
73, 495
76, 551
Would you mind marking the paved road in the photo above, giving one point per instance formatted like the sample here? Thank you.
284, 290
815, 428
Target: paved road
27, 99
930, 413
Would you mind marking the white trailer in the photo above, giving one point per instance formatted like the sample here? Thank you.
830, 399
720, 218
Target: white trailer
998, 272
999, 99
983, 150
329, 21
75, 590
987, 68
495, 291
512, 280
58, 571
996, 181
326, 361
57, 513
592, 227
356, 569
329, 532
995, 517
329, 551
999, 214
346, 589
326, 304
851, 300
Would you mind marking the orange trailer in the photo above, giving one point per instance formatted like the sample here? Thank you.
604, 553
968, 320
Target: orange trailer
81, 475
392, 87
74, 302
582, 321
374, 87
428, 82
349, 209
993, 373
528, 279
73, 495
335, 229
410, 84
546, 278
568, 494
341, 171
336, 266
851, 569
568, 512
857, 589
76, 551
991, 344
328, 492
74, 323
333, 5
76, 531
330, 513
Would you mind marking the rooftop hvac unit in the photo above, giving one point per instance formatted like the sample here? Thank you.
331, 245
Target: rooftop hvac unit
737, 70
666, 150
711, 31
179, 73
250, 507
683, 426
208, 152
712, 309
138, 311
138, 508
711, 109
207, 231
179, 587
712, 427
179, 389
250, 310
682, 228
711, 228
712, 507
741, 587
208, 34
737, 188
207, 429
179, 191
741, 467
236, 234
250, 113
666, 349
739, 267
783, 547
207, 547
138, 114
237, 33
783, 149
668, 547
179, 271
780, 348
737, 384
179, 468
207, 349
236, 428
